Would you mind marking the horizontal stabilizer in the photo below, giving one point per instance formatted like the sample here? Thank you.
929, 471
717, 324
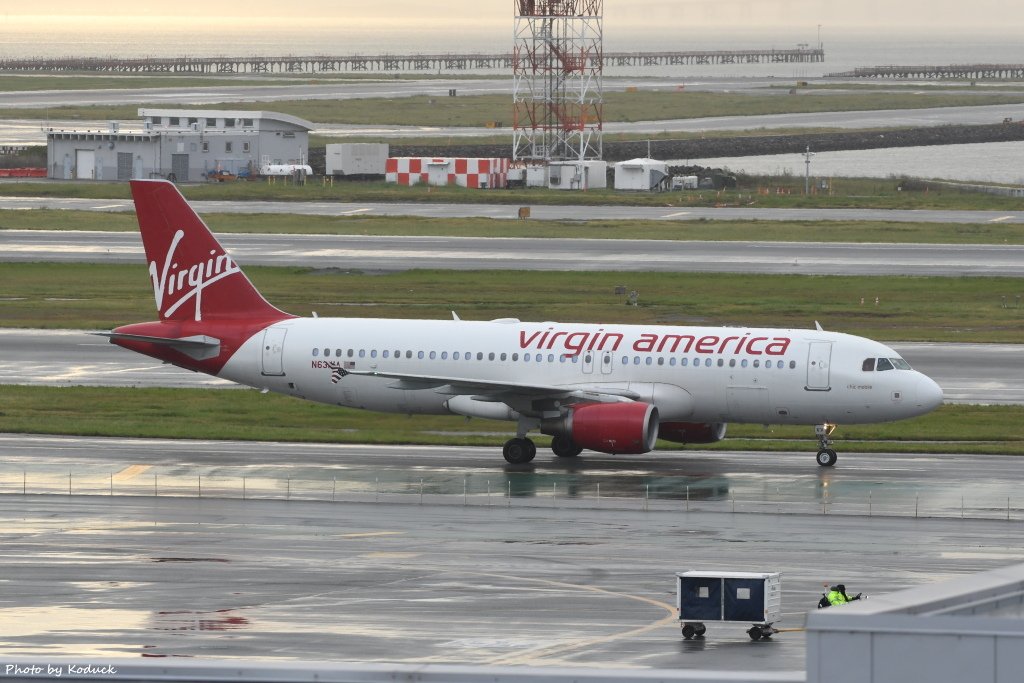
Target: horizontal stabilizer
199, 347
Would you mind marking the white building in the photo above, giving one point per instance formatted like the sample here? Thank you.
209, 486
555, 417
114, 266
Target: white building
182, 145
641, 175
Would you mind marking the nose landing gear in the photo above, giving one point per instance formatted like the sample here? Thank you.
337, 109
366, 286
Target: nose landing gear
826, 456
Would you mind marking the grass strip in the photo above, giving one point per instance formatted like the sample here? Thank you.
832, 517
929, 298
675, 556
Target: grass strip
701, 229
252, 416
101, 296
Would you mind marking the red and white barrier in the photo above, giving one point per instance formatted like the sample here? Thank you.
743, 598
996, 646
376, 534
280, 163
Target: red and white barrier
440, 171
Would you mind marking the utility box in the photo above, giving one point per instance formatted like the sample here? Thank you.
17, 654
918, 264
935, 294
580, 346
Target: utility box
356, 159
746, 597
577, 175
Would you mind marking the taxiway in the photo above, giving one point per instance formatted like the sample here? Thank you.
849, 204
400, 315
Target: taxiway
389, 253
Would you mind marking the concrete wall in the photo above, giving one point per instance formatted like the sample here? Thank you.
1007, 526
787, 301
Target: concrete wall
967, 629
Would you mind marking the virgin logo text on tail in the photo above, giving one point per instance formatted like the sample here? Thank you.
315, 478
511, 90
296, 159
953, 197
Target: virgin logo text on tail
188, 282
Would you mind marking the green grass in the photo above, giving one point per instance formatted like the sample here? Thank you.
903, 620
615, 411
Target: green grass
877, 193
249, 415
764, 231
477, 110
910, 308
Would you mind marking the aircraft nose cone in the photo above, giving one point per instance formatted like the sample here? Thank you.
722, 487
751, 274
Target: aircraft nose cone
929, 394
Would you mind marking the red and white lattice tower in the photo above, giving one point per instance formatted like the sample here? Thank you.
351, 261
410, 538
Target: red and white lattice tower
557, 65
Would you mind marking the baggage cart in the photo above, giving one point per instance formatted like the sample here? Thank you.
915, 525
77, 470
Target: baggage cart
729, 597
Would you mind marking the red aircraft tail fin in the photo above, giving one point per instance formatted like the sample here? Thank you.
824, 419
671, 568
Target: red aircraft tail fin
193, 277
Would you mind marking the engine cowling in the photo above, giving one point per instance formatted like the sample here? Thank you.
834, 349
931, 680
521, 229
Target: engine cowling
692, 432
623, 428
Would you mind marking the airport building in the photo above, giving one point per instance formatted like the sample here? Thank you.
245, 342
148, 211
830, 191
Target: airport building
183, 145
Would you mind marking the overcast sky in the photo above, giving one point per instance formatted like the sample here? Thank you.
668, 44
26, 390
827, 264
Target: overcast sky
901, 16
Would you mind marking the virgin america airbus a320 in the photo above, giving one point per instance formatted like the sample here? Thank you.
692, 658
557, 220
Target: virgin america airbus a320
607, 388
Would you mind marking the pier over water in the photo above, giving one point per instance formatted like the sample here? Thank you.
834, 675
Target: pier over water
958, 72
391, 63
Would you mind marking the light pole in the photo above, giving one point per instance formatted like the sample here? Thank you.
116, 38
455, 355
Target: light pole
807, 173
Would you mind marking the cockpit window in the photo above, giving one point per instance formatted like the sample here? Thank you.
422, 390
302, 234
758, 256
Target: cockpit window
883, 364
900, 364
868, 365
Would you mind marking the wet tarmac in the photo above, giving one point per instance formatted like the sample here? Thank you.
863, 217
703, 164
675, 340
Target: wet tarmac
552, 575
177, 577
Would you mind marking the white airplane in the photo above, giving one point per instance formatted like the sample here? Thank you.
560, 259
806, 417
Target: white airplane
608, 388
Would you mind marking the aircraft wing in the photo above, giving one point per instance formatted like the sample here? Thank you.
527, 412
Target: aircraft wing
498, 391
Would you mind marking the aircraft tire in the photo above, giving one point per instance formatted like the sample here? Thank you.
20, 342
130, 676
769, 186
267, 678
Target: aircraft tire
563, 447
827, 457
519, 451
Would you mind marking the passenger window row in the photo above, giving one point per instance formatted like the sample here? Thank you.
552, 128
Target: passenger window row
561, 358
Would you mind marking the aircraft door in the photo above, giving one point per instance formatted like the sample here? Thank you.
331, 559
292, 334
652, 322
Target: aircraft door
819, 359
273, 351
606, 362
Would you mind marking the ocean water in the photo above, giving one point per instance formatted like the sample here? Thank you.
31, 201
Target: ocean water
844, 49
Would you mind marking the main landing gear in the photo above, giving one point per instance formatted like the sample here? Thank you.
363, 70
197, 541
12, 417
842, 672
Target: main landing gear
564, 447
519, 451
826, 456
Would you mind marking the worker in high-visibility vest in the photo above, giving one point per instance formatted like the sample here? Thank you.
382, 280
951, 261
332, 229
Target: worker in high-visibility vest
837, 596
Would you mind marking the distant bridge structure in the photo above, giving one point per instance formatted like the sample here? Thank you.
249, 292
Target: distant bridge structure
385, 63
959, 72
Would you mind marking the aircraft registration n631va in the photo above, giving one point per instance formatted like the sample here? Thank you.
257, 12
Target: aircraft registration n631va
608, 388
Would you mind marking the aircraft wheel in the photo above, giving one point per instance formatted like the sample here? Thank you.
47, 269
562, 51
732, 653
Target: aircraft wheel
755, 633
563, 447
519, 451
701, 629
689, 631
827, 457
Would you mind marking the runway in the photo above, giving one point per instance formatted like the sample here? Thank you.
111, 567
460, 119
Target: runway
532, 580
675, 214
389, 253
967, 373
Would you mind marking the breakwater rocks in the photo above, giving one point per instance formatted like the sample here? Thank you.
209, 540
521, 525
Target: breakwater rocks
754, 145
